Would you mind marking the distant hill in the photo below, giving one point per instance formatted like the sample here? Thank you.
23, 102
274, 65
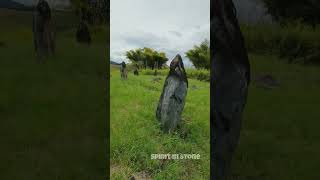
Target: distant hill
9, 4
114, 63
54, 4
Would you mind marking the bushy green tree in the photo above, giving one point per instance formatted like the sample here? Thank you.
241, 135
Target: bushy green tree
92, 11
287, 10
149, 57
200, 55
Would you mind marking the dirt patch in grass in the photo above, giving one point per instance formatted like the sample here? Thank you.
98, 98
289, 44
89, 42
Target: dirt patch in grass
140, 176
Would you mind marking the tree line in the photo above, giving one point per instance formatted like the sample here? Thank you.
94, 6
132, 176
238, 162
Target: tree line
94, 12
283, 11
147, 57
199, 55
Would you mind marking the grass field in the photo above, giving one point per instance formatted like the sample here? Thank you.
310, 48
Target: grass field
52, 115
279, 139
135, 132
280, 136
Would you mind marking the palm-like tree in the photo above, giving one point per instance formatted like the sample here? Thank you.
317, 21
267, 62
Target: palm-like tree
200, 55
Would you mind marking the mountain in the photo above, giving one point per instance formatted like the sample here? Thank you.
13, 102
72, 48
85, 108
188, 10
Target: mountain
114, 63
54, 4
9, 4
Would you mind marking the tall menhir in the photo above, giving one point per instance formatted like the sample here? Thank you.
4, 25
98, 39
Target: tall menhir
230, 78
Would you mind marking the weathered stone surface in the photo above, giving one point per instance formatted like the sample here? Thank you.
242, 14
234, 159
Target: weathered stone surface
43, 29
173, 96
230, 70
123, 70
266, 82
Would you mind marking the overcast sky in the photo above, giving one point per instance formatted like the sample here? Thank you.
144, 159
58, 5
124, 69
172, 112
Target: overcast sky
171, 26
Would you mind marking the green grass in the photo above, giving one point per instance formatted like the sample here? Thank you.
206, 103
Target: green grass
280, 135
52, 115
135, 132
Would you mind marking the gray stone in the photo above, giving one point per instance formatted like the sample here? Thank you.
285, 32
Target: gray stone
266, 82
83, 33
123, 70
230, 70
173, 96
43, 30
136, 72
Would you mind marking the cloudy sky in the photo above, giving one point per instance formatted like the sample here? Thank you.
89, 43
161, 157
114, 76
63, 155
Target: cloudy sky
171, 26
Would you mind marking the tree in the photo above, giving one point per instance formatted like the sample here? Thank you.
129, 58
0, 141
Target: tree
147, 56
94, 12
200, 55
288, 10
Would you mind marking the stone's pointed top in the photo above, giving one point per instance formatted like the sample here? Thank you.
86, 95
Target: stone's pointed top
177, 61
178, 57
177, 68
123, 64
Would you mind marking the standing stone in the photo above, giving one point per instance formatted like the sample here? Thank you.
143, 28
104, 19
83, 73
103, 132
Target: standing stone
83, 33
173, 96
230, 70
43, 30
136, 72
123, 70
155, 67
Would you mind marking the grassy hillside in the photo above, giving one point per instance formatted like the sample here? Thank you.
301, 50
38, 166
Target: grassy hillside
280, 135
52, 115
135, 132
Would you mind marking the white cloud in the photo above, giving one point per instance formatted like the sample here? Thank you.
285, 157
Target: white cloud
172, 26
